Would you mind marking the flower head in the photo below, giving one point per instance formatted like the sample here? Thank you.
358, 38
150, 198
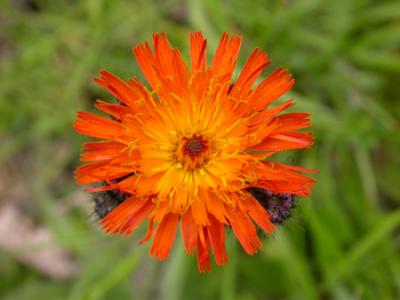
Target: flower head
188, 148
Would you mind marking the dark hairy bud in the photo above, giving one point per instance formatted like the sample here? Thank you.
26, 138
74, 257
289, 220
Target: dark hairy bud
106, 201
278, 205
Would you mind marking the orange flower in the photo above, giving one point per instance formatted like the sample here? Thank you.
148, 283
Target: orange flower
188, 148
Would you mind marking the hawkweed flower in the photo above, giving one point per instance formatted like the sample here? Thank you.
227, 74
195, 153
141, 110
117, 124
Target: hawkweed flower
187, 149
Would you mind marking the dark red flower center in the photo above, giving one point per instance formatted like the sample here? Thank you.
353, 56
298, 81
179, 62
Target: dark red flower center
195, 146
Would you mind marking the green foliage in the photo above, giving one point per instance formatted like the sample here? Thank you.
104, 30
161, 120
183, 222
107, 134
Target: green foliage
343, 242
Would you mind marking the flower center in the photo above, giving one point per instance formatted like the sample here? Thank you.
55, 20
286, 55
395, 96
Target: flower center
194, 146
193, 151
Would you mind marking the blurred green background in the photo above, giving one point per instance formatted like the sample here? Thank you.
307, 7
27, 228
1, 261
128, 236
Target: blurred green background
342, 243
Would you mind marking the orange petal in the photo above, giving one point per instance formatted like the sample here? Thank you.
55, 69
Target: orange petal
292, 168
216, 232
165, 70
283, 179
149, 233
127, 216
273, 87
99, 127
225, 57
251, 70
118, 88
165, 236
146, 61
169, 61
244, 230
189, 232
267, 114
286, 141
258, 213
115, 110
199, 212
291, 122
302, 189
101, 150
102, 188
161, 211
136, 219
215, 206
100, 171
203, 252
198, 56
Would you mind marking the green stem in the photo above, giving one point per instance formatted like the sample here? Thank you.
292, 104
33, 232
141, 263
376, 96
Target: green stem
229, 273
175, 273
